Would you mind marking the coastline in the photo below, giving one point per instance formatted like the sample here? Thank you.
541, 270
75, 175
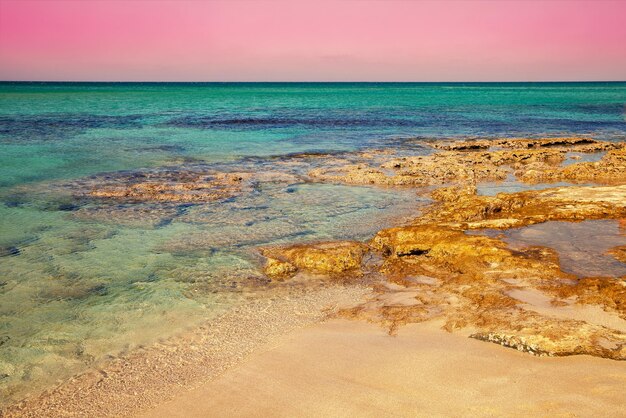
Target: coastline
345, 368
147, 376
285, 329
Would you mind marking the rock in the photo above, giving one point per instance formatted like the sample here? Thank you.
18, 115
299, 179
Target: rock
277, 269
608, 292
331, 258
475, 273
611, 169
181, 185
577, 143
436, 169
533, 160
562, 338
453, 193
619, 253
200, 189
478, 279
530, 207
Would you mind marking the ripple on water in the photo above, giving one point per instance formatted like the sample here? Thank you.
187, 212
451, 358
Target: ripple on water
86, 282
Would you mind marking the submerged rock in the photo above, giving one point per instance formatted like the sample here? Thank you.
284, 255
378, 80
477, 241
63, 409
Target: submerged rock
184, 187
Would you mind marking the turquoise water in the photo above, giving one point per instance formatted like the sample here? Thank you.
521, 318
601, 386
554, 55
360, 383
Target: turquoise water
66, 130
81, 278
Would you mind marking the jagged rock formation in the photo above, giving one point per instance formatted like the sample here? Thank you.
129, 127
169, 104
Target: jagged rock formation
475, 284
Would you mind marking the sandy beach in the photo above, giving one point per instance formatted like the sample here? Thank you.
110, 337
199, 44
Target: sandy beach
400, 361
344, 368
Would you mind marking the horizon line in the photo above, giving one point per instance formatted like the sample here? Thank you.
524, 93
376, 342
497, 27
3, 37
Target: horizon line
307, 81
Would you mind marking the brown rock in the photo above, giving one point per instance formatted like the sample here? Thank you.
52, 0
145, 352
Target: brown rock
170, 188
619, 253
331, 258
277, 269
611, 169
530, 207
578, 143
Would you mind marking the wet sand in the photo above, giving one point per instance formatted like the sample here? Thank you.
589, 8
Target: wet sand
344, 368
145, 377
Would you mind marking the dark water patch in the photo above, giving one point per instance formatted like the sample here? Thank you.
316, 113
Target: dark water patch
163, 223
13, 203
183, 208
164, 148
179, 210
572, 125
16, 199
60, 125
24, 241
71, 289
616, 109
444, 122
152, 277
253, 208
60, 204
68, 207
319, 121
9, 251
98, 290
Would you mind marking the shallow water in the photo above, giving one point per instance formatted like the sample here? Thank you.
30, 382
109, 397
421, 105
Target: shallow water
81, 279
78, 287
512, 185
581, 246
578, 157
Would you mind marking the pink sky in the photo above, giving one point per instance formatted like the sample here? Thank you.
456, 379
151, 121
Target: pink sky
312, 40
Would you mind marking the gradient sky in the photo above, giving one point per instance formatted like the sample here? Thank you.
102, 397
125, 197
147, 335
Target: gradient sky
312, 40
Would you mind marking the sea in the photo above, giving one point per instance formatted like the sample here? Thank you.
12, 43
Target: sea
81, 281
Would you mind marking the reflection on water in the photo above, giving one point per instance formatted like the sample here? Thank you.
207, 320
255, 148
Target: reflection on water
581, 246
582, 157
512, 185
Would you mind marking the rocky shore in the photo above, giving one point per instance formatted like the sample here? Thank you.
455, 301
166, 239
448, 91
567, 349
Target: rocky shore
433, 270
445, 268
